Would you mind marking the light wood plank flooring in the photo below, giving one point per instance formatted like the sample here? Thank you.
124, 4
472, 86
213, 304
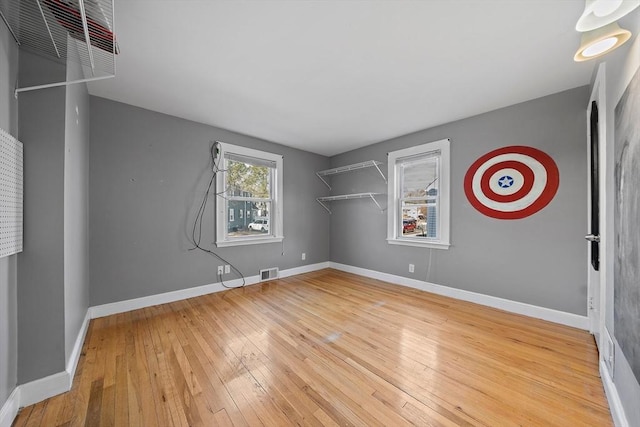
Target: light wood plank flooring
328, 348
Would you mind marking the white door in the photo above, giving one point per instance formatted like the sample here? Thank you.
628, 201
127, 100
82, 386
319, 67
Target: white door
593, 222
595, 146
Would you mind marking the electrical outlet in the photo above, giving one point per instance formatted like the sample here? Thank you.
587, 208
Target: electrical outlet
412, 268
304, 256
227, 269
220, 270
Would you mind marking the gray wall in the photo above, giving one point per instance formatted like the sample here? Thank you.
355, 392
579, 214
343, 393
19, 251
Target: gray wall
538, 260
76, 203
621, 66
148, 172
40, 265
8, 282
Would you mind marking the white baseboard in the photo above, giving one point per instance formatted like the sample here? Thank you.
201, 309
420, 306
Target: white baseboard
556, 316
304, 269
167, 297
74, 357
44, 388
615, 404
10, 408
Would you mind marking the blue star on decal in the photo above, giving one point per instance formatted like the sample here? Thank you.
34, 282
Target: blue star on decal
505, 181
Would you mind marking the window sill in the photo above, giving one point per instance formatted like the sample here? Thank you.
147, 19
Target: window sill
407, 242
244, 242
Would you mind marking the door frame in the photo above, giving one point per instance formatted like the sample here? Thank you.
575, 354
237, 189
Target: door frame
597, 297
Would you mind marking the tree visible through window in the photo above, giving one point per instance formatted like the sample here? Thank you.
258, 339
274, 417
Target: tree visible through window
249, 181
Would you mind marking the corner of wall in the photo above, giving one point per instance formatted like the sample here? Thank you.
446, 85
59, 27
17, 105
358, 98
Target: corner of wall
9, 394
44, 388
9, 410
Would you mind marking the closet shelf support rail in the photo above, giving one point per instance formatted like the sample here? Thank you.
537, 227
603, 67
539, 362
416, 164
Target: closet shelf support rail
323, 200
349, 168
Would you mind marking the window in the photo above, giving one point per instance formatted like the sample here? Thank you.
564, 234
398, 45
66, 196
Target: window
419, 196
248, 181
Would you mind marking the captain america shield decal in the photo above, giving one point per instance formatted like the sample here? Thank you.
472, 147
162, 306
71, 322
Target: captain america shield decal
512, 182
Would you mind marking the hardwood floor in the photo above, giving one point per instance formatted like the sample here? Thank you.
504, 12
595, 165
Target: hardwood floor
328, 348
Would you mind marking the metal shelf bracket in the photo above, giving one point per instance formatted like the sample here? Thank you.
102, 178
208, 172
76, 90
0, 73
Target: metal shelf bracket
323, 200
349, 168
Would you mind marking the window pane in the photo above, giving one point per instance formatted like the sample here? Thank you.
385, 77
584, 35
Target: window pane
248, 178
420, 218
419, 176
245, 179
256, 222
248, 159
419, 195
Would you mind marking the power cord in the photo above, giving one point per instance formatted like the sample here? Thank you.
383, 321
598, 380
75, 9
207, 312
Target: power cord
196, 231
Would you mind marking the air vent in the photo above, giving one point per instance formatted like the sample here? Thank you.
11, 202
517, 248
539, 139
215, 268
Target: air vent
269, 274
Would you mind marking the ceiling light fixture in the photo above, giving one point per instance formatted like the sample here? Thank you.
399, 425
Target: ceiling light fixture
600, 41
598, 13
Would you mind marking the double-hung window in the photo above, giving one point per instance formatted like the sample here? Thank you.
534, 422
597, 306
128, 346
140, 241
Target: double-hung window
418, 205
249, 196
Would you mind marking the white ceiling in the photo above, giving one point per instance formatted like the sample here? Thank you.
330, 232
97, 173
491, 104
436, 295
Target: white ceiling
331, 76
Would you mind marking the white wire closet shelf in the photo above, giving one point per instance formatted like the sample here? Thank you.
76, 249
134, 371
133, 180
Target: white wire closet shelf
350, 168
323, 200
81, 31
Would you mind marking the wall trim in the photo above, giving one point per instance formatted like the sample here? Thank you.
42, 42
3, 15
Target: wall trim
615, 404
556, 316
10, 408
167, 297
44, 388
38, 390
74, 357
304, 269
551, 315
164, 298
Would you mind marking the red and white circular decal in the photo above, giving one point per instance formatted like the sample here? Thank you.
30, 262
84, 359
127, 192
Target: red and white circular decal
512, 182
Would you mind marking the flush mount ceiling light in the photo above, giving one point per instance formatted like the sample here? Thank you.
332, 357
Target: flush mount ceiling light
598, 13
600, 41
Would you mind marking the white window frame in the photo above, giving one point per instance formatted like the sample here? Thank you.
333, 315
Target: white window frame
276, 234
394, 217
